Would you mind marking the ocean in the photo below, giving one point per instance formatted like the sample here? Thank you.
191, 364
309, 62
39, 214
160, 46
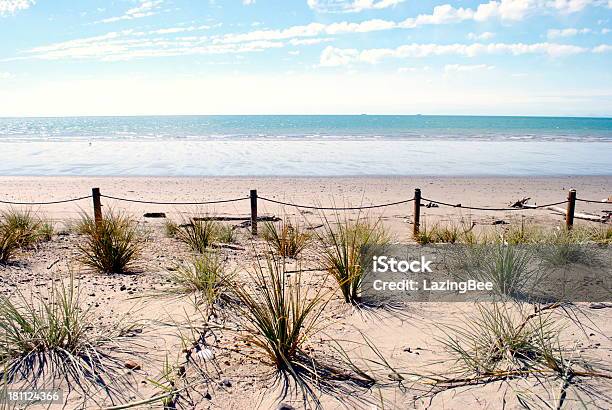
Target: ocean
319, 145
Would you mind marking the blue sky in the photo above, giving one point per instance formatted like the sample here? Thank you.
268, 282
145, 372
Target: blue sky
131, 57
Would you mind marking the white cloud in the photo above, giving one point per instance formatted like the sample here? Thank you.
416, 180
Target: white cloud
127, 44
449, 68
605, 30
569, 6
603, 48
146, 8
309, 41
487, 35
566, 32
5, 75
9, 7
350, 6
505, 9
403, 70
332, 56
248, 2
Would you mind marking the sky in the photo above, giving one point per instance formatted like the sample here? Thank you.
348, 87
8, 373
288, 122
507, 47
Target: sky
162, 57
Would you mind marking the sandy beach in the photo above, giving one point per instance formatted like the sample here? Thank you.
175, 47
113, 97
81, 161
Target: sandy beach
239, 378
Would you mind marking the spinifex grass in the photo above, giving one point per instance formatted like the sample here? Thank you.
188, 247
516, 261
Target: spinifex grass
52, 337
563, 247
110, 245
279, 317
198, 234
346, 249
500, 339
513, 270
226, 234
503, 342
287, 237
205, 276
19, 229
446, 233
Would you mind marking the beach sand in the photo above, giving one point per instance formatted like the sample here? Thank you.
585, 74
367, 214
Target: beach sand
241, 381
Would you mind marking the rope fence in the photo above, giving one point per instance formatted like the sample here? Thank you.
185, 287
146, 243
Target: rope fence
494, 209
253, 197
63, 201
333, 208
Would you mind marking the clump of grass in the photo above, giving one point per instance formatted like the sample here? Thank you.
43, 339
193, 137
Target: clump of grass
449, 233
522, 234
112, 244
346, 251
46, 231
513, 270
198, 234
205, 276
500, 340
279, 318
170, 228
226, 234
19, 229
9, 244
563, 247
25, 225
53, 336
425, 235
287, 237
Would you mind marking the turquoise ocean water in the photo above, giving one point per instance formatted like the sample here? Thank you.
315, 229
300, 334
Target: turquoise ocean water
306, 145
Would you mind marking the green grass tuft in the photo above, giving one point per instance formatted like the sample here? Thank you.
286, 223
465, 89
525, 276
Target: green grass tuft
111, 245
197, 234
52, 336
287, 237
18, 229
345, 252
205, 276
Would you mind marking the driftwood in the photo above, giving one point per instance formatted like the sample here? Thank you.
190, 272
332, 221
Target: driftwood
580, 215
228, 246
269, 218
521, 203
155, 215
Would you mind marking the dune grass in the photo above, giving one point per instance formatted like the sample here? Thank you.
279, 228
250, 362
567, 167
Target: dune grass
451, 232
279, 316
503, 339
53, 337
205, 276
505, 342
111, 245
226, 234
20, 229
346, 245
198, 234
286, 237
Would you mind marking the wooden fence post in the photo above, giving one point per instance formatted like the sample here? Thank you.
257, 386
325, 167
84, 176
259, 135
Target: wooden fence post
254, 211
417, 212
95, 194
571, 207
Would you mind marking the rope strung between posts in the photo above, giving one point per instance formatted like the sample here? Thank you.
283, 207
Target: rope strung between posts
493, 209
174, 203
63, 201
322, 208
592, 201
